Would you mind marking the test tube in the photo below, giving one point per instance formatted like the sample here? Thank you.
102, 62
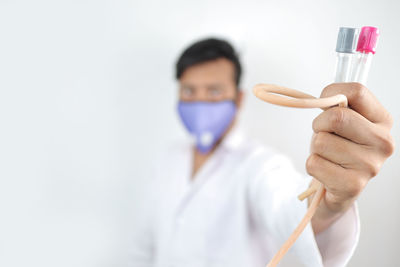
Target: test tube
366, 48
345, 48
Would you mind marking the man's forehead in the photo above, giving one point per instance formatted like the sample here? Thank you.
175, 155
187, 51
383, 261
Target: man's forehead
220, 68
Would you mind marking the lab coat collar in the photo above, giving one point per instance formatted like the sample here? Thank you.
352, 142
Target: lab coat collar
233, 139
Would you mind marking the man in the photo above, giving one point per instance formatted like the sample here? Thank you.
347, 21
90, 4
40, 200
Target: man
224, 200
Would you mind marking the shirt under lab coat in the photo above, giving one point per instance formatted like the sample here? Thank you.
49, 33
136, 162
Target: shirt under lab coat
238, 210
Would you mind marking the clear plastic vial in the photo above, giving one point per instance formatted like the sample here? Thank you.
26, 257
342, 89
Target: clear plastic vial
345, 48
343, 67
361, 67
366, 48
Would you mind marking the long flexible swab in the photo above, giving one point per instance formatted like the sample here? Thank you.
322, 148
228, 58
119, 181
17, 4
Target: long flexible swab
272, 94
266, 92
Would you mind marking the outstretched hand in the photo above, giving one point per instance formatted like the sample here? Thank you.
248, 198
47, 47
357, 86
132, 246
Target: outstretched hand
348, 148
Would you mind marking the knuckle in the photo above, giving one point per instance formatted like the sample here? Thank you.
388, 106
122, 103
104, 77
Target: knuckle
384, 142
319, 143
355, 187
387, 145
311, 164
358, 90
316, 123
329, 90
373, 168
337, 118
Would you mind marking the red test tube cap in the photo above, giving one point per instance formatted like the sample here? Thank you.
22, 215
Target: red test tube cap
368, 40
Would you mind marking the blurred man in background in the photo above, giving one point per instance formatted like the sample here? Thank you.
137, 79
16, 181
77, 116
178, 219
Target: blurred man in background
225, 200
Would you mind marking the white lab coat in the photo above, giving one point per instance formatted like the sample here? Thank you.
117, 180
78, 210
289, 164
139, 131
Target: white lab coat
239, 209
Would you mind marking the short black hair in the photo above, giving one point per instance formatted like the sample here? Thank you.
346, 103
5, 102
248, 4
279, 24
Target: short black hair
207, 50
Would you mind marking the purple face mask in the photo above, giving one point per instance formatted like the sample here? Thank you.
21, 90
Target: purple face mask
206, 121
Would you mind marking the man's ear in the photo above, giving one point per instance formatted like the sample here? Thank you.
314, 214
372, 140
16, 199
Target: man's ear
239, 98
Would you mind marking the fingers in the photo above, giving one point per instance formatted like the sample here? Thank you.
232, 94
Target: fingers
340, 182
351, 125
362, 101
345, 153
350, 144
340, 121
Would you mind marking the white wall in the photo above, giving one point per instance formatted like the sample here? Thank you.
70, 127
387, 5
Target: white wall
87, 98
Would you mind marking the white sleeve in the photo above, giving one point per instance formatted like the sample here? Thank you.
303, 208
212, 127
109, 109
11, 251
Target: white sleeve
273, 196
338, 242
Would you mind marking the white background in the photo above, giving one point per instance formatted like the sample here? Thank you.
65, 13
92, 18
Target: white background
87, 99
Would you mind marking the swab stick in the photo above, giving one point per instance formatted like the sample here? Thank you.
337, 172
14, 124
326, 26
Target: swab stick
282, 96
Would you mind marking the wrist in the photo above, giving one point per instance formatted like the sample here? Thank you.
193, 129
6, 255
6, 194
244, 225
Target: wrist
328, 212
